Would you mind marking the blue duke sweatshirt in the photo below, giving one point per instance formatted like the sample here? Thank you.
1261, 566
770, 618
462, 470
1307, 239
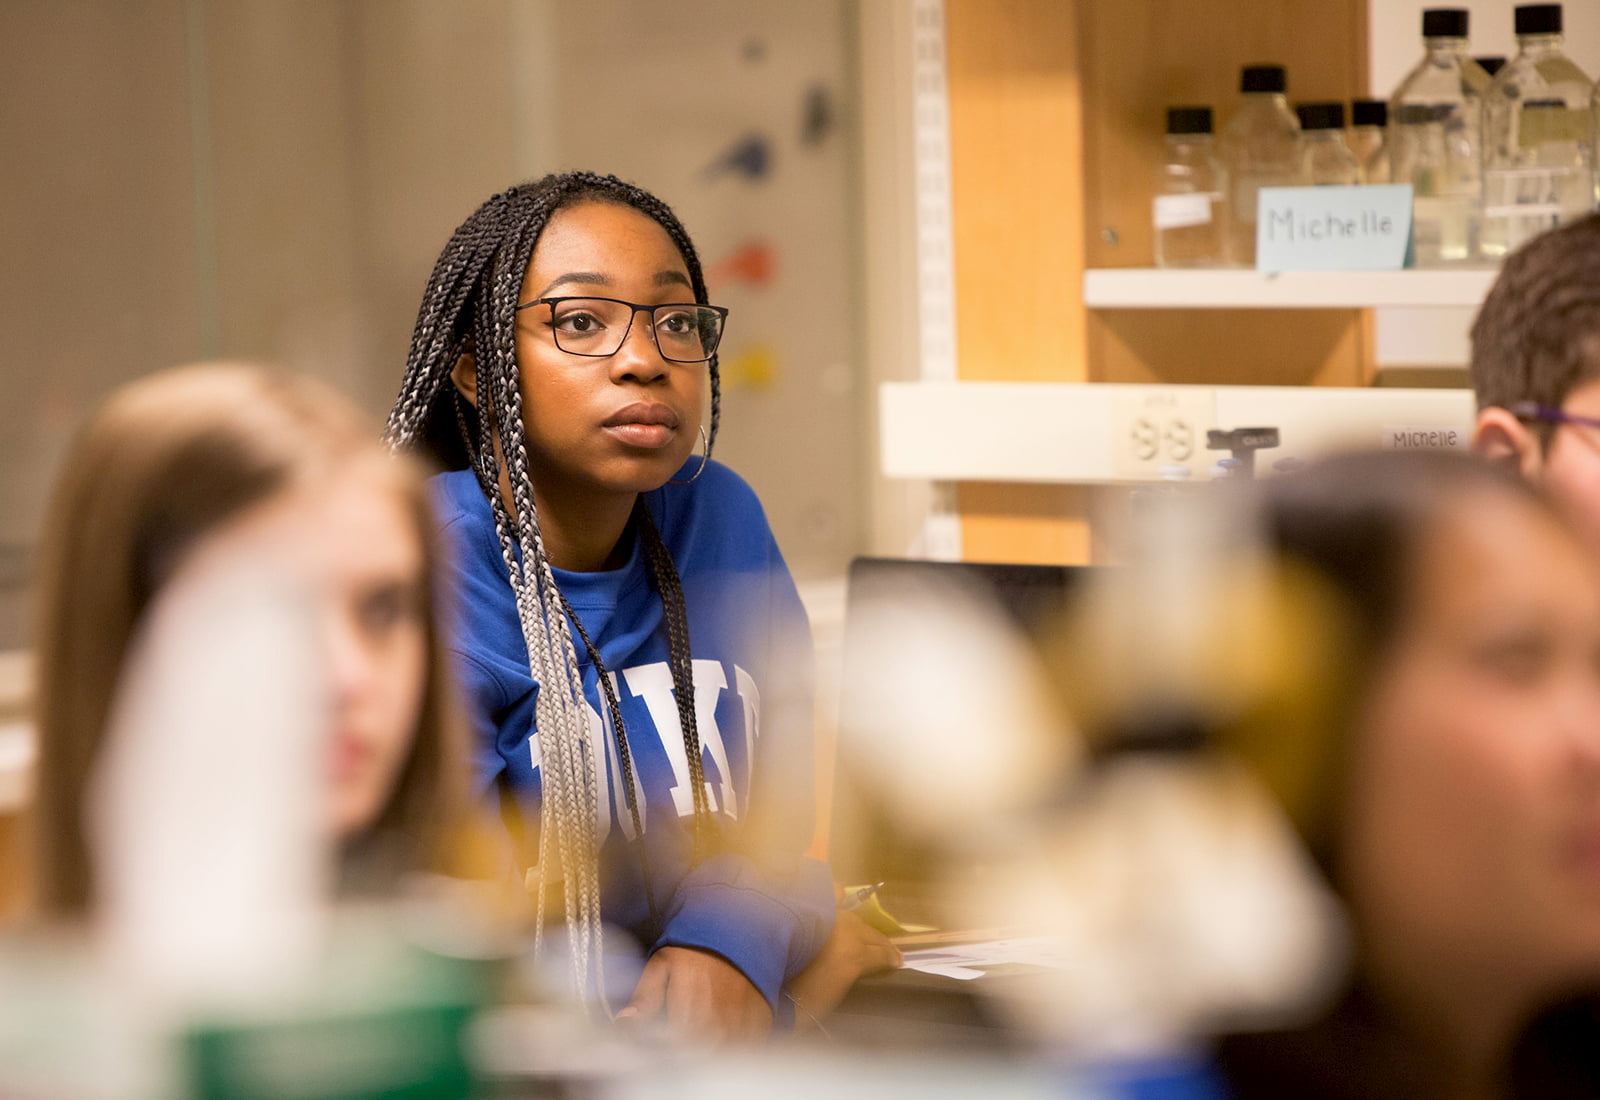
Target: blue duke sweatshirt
755, 900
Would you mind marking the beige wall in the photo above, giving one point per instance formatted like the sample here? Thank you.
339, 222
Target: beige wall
237, 178
681, 84
98, 281
270, 180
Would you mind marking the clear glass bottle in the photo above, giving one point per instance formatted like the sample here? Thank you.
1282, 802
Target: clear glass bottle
1368, 119
1188, 208
1555, 179
1445, 215
1518, 168
1260, 148
1439, 225
1325, 159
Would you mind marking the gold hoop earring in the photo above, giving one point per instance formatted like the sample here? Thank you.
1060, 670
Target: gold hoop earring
705, 456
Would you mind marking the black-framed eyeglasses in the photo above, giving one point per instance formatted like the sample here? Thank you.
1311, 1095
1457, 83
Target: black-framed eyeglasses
684, 332
1548, 414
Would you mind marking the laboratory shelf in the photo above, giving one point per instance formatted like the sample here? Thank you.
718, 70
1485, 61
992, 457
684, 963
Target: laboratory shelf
1235, 288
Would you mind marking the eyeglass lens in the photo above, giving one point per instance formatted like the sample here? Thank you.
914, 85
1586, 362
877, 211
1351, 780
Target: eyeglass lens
597, 326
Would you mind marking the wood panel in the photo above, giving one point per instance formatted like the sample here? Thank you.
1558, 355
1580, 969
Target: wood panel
1016, 131
1033, 524
16, 864
1323, 347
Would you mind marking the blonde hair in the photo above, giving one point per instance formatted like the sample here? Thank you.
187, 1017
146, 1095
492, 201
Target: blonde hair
162, 462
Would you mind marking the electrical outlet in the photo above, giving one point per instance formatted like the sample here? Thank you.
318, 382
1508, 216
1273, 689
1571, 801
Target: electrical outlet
1161, 426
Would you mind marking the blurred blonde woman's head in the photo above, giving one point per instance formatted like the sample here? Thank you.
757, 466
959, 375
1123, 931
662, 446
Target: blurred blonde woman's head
197, 457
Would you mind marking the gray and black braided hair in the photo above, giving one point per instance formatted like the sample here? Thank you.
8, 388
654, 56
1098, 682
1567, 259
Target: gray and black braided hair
470, 304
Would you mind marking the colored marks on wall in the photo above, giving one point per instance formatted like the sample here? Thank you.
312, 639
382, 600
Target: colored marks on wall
749, 157
752, 263
818, 116
756, 367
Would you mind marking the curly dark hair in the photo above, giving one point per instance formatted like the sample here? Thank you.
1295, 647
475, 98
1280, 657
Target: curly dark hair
1537, 335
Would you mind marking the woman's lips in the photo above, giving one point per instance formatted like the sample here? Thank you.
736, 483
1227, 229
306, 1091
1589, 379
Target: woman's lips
349, 756
1580, 852
643, 424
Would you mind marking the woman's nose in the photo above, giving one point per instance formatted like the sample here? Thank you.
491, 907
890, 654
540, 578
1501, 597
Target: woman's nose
1580, 720
347, 657
639, 359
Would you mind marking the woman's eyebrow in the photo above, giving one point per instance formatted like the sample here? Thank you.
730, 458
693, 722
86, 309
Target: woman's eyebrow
597, 278
594, 278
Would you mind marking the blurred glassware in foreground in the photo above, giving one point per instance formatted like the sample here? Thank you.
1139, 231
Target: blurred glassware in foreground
1164, 872
230, 645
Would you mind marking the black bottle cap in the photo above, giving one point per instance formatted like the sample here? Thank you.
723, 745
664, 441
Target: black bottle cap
1538, 19
1264, 78
1444, 23
1188, 120
1369, 112
1491, 64
1320, 116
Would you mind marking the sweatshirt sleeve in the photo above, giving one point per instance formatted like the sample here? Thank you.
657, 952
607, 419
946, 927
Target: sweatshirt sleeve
488, 658
759, 902
768, 921
484, 693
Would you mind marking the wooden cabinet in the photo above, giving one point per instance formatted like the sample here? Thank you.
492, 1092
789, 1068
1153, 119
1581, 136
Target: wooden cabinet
1056, 115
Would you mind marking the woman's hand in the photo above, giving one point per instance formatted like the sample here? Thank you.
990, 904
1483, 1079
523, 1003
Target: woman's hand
854, 949
701, 995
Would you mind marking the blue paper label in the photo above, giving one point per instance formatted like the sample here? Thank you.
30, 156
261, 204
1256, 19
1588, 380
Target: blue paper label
1362, 228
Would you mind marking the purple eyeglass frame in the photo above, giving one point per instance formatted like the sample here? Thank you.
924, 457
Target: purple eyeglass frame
1532, 410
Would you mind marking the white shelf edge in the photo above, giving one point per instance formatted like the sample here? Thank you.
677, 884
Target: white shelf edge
1232, 288
1068, 433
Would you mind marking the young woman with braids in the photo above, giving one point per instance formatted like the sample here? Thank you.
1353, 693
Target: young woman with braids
562, 368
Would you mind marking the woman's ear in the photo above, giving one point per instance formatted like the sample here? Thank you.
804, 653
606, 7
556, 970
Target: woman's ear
465, 377
1502, 438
